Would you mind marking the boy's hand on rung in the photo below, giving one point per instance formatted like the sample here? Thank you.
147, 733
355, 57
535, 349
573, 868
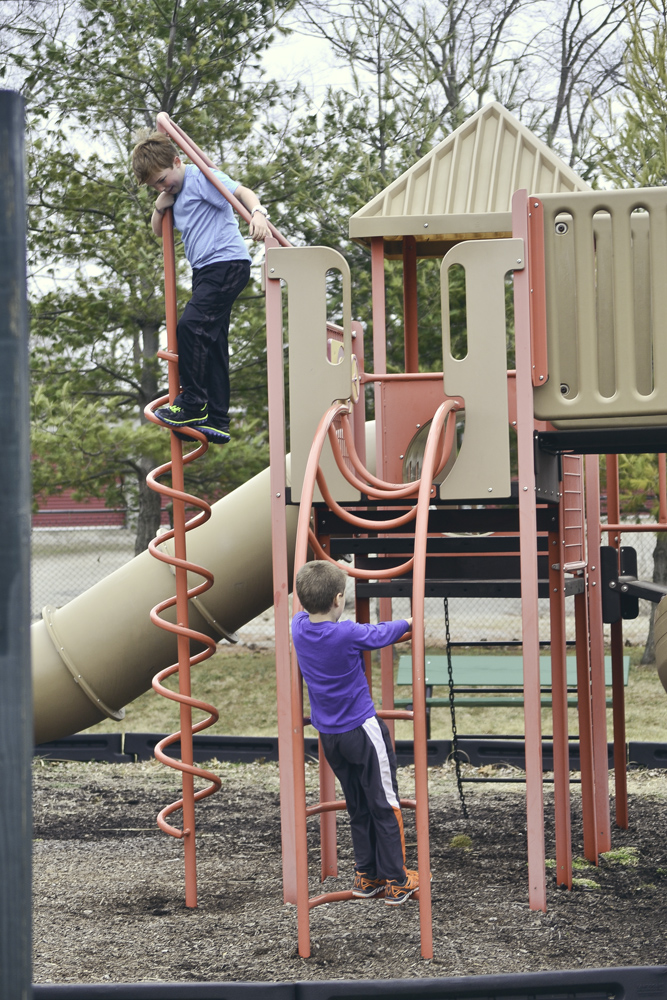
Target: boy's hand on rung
164, 201
258, 227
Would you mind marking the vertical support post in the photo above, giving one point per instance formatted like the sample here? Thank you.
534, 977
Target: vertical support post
16, 729
528, 564
410, 323
598, 694
299, 807
359, 410
180, 551
387, 669
559, 705
585, 727
662, 488
379, 341
328, 843
281, 583
617, 685
362, 614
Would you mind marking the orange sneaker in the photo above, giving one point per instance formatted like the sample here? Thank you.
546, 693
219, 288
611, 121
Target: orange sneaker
365, 888
396, 892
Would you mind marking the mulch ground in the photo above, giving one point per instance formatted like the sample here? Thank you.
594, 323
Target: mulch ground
109, 886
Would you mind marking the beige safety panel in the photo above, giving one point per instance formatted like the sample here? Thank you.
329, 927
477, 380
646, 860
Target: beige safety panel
321, 369
482, 468
606, 294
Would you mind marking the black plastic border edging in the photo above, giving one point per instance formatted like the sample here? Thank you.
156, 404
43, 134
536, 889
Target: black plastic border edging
477, 750
629, 983
168, 991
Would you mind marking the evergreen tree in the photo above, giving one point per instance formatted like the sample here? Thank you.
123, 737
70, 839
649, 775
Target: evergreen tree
91, 81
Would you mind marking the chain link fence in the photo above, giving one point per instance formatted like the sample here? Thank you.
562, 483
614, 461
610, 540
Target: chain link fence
68, 561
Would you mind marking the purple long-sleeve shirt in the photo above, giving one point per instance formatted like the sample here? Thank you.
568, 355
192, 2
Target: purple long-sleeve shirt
332, 664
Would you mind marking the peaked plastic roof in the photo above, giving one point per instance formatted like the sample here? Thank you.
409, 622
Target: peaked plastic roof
463, 188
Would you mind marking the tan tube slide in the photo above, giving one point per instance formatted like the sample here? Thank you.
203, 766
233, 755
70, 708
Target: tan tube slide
660, 637
100, 651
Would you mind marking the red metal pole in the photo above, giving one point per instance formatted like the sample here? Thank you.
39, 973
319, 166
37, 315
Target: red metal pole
379, 343
410, 322
528, 563
559, 707
617, 685
598, 694
329, 846
183, 641
281, 581
588, 800
387, 668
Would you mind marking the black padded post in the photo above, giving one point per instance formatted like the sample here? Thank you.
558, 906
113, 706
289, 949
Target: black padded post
16, 734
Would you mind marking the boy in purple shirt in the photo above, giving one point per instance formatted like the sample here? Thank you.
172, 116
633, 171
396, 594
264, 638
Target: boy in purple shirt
355, 741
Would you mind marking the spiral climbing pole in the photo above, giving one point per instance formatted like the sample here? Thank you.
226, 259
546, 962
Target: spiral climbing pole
181, 567
162, 614
335, 425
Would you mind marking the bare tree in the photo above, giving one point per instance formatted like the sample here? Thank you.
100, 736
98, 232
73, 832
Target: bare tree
432, 64
575, 61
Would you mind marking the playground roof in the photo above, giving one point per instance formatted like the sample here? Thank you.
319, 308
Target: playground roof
463, 188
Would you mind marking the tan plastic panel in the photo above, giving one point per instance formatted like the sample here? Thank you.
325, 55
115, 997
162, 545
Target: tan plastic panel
606, 261
314, 382
482, 468
472, 174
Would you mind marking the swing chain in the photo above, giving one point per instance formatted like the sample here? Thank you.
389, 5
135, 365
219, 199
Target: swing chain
452, 710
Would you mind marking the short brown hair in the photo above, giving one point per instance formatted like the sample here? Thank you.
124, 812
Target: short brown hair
154, 153
317, 584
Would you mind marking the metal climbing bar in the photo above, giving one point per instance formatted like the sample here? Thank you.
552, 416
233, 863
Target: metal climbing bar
438, 447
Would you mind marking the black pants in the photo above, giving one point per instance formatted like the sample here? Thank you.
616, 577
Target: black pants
203, 329
364, 762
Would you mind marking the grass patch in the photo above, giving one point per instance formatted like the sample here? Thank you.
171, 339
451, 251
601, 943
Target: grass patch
628, 856
241, 683
585, 883
578, 864
461, 842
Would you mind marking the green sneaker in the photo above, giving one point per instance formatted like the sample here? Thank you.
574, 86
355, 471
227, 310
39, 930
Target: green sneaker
214, 434
177, 416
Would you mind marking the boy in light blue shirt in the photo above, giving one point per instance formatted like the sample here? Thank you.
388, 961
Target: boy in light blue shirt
220, 265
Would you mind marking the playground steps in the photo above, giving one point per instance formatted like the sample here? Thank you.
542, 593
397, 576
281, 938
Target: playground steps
463, 558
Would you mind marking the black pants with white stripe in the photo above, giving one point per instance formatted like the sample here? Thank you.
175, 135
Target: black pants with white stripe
364, 762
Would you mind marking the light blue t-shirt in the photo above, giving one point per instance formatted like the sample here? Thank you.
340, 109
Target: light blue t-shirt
207, 221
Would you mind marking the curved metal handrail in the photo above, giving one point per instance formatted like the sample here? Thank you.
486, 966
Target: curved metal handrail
398, 489
306, 535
